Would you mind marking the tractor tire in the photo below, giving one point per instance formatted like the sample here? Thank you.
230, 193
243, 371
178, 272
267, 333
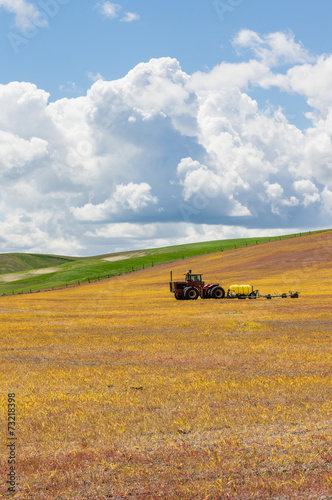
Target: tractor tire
252, 295
190, 293
217, 292
178, 296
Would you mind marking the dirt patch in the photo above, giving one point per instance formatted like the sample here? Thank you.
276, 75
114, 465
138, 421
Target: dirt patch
119, 257
7, 278
123, 257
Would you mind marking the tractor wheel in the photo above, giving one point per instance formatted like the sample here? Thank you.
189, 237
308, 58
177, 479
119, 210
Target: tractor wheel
252, 295
178, 296
217, 292
190, 293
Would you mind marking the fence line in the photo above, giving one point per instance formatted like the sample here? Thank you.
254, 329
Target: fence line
93, 280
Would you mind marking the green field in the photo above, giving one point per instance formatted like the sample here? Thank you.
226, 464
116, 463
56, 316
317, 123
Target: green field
16, 270
18, 262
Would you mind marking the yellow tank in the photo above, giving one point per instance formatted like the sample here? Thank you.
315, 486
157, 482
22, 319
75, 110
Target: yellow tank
240, 289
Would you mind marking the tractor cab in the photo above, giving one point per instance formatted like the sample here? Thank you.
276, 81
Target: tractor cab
195, 278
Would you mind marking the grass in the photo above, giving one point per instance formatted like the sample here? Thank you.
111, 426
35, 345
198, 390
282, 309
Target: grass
94, 268
18, 262
123, 392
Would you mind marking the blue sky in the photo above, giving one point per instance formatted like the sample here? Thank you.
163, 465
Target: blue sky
138, 124
80, 40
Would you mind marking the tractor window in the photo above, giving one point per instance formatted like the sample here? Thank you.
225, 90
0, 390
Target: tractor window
195, 277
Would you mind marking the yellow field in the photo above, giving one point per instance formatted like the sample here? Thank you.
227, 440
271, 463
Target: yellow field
122, 392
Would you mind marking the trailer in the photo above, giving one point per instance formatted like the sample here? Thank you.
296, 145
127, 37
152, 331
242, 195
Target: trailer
247, 291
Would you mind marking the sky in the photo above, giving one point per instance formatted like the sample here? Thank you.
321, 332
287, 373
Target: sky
139, 124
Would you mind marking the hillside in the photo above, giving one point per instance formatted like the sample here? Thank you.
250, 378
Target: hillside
26, 272
20, 262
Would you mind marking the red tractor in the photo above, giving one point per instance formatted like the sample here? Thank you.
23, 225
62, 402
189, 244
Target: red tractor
193, 287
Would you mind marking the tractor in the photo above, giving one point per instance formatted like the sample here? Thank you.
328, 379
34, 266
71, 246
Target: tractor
193, 287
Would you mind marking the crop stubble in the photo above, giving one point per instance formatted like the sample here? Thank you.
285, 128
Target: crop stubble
123, 392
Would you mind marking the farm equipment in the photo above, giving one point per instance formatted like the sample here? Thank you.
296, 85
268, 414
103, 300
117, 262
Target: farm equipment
247, 291
193, 287
242, 291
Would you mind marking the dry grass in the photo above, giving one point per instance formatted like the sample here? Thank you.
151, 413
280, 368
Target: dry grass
123, 392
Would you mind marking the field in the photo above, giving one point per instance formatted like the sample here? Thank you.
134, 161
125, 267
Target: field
33, 272
122, 392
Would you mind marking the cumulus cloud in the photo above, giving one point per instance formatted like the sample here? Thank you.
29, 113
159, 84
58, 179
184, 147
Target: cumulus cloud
18, 152
131, 197
308, 190
26, 14
163, 157
274, 48
327, 201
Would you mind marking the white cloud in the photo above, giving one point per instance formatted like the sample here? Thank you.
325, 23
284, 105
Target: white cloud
133, 197
17, 152
274, 48
94, 77
26, 14
327, 200
126, 230
274, 191
187, 165
313, 82
114, 10
129, 17
308, 190
71, 87
179, 233
164, 156
109, 10
30, 231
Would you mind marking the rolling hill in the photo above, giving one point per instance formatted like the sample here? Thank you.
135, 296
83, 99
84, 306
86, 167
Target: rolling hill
21, 273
